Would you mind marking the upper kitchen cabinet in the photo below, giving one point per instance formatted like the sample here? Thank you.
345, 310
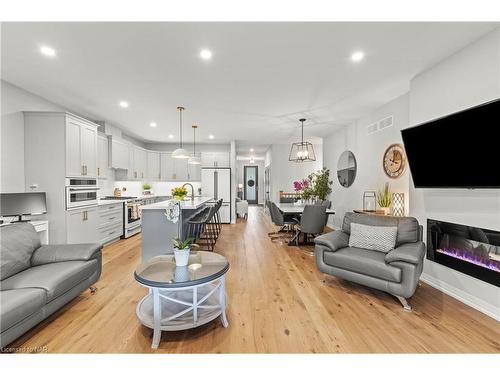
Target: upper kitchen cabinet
153, 165
81, 147
119, 153
194, 172
215, 159
167, 166
102, 156
140, 163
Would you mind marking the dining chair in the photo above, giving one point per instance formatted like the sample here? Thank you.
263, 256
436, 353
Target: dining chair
279, 219
312, 222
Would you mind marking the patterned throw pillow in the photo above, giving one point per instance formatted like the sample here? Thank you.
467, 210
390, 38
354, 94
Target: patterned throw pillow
373, 237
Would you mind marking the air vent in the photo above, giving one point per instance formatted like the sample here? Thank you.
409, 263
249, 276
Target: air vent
380, 125
386, 122
372, 128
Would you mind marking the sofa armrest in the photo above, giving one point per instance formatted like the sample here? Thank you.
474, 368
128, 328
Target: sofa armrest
63, 253
409, 253
333, 240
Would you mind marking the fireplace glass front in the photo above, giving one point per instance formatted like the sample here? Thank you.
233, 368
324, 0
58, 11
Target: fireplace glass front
471, 250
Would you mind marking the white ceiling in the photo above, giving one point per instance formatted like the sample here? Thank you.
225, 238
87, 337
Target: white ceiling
263, 76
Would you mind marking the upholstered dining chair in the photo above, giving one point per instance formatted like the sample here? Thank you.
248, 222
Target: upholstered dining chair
312, 222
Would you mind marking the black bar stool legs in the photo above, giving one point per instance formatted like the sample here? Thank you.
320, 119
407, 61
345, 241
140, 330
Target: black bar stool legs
205, 226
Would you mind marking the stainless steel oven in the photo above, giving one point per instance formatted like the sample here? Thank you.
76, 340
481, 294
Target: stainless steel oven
132, 218
81, 192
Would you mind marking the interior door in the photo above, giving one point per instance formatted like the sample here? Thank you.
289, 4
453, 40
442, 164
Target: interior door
251, 182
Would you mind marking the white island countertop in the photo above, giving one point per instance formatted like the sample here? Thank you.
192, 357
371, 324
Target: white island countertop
186, 204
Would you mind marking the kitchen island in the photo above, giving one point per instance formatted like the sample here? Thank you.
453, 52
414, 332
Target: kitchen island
158, 231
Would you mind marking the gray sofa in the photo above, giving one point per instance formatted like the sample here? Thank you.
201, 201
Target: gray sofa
36, 280
396, 272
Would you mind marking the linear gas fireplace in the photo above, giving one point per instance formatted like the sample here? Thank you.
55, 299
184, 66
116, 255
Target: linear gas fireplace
473, 251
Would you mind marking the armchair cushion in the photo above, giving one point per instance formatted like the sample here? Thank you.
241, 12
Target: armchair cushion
63, 253
333, 240
409, 253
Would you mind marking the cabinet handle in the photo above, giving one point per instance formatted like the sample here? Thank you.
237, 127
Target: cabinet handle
142, 174
98, 171
82, 171
135, 174
85, 169
111, 218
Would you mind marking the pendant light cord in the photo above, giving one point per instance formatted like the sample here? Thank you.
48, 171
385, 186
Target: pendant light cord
194, 141
180, 109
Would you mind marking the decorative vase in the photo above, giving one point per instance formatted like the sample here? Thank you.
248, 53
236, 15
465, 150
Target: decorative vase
181, 257
181, 274
386, 210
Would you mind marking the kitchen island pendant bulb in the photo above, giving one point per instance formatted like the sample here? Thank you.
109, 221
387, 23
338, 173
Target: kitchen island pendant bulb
180, 153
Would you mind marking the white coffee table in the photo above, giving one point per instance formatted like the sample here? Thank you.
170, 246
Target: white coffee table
180, 298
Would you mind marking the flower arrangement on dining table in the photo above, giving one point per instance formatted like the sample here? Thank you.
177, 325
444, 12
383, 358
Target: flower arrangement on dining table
179, 193
316, 186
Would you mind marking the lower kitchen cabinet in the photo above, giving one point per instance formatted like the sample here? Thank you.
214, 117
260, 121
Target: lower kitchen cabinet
81, 225
110, 222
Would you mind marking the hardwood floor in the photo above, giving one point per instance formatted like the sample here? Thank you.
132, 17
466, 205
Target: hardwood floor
278, 303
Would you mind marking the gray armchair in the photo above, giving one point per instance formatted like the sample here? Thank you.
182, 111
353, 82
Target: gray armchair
396, 272
37, 280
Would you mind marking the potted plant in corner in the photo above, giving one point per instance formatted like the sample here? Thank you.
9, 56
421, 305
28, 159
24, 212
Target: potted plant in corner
384, 199
182, 250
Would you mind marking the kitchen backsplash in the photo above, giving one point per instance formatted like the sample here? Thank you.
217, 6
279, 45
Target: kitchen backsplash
134, 188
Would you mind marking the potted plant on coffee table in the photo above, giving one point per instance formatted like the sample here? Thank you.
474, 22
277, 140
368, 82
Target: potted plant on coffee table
182, 250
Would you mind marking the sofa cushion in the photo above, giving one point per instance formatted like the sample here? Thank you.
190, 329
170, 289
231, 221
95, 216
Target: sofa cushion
17, 244
18, 304
55, 278
367, 262
63, 253
373, 237
408, 227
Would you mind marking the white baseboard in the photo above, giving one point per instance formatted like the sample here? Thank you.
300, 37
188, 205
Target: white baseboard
464, 297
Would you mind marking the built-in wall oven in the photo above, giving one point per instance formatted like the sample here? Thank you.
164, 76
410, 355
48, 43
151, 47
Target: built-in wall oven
81, 192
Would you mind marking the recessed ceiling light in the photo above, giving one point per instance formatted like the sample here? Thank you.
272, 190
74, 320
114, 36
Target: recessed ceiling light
171, 136
124, 104
357, 56
211, 136
47, 51
206, 54
251, 150
153, 124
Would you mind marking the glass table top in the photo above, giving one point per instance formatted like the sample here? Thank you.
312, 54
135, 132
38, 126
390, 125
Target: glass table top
161, 271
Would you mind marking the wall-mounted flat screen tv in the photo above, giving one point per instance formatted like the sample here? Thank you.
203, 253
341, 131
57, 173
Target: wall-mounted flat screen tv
461, 150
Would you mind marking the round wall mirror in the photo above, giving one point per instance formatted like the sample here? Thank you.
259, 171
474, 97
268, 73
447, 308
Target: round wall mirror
346, 169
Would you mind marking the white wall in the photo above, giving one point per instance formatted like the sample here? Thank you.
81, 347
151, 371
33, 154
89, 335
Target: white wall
368, 150
283, 172
240, 164
468, 78
14, 101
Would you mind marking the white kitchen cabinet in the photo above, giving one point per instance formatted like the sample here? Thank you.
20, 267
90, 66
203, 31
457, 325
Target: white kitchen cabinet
215, 159
167, 166
82, 225
153, 165
181, 169
140, 163
102, 156
81, 147
119, 153
194, 172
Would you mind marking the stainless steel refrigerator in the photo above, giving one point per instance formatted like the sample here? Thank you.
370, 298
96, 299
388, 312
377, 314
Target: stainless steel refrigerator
216, 182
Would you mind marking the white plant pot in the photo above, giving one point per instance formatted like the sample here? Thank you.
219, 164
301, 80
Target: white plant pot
181, 257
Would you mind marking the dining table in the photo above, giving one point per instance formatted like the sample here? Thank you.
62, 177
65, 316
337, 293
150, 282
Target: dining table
297, 209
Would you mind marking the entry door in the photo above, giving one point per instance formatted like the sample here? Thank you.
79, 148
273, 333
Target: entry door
251, 178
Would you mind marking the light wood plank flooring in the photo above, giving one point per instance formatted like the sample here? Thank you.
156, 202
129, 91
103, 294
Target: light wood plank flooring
278, 303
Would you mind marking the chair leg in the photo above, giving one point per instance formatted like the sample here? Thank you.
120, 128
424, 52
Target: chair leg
93, 289
404, 302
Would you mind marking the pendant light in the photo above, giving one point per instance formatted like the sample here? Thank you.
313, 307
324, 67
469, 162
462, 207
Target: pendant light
194, 159
302, 151
180, 153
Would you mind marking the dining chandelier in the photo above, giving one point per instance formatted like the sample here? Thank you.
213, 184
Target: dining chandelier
302, 151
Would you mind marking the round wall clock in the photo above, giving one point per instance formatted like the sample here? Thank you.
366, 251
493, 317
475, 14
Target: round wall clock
394, 161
